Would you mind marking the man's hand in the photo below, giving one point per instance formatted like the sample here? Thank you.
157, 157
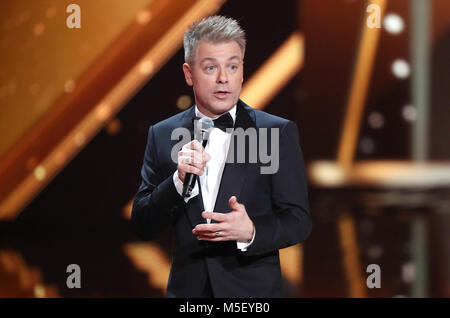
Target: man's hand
192, 158
233, 226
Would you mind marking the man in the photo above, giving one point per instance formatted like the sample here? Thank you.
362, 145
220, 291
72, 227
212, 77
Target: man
229, 230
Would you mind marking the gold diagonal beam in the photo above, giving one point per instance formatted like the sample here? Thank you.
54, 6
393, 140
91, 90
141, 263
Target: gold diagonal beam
351, 256
358, 92
103, 111
275, 73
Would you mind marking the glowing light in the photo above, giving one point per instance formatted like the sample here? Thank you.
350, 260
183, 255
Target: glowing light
327, 173
39, 29
103, 112
401, 68
393, 23
144, 17
39, 173
184, 101
39, 291
408, 272
409, 113
376, 120
146, 67
69, 86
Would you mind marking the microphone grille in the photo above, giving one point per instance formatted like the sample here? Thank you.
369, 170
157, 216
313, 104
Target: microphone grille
202, 128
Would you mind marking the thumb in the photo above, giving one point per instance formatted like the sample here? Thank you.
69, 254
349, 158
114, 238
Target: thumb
234, 204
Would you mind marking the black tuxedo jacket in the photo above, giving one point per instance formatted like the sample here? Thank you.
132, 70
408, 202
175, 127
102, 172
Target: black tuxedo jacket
276, 203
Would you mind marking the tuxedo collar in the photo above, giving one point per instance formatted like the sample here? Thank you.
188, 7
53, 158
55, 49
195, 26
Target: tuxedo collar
245, 117
232, 112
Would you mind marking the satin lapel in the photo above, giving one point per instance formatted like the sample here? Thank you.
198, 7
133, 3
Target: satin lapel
194, 207
234, 174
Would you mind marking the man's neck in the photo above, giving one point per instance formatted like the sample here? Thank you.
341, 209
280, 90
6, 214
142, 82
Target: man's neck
200, 113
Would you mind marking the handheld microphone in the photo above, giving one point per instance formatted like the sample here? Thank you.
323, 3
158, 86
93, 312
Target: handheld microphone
202, 129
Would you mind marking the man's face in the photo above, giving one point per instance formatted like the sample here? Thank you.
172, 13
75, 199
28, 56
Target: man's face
216, 75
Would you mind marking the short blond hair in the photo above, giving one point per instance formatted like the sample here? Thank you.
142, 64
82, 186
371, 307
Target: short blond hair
213, 29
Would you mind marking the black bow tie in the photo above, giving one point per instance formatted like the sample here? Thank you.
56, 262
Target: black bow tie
223, 122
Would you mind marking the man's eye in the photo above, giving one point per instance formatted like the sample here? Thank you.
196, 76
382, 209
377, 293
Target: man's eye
210, 68
233, 67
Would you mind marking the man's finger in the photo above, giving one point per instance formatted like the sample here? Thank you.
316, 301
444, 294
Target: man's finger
186, 153
190, 169
194, 161
187, 147
234, 204
207, 235
199, 155
211, 228
219, 217
206, 156
193, 145
213, 239
196, 145
184, 159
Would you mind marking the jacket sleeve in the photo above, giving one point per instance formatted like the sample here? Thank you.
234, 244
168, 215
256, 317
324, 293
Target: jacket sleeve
157, 201
289, 222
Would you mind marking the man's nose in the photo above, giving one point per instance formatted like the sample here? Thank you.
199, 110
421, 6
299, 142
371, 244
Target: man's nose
222, 77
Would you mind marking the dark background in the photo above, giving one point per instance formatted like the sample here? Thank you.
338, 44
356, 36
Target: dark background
78, 217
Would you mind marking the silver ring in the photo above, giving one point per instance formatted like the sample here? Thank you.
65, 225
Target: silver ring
217, 233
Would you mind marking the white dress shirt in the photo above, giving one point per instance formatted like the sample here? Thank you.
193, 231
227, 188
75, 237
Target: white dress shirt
217, 148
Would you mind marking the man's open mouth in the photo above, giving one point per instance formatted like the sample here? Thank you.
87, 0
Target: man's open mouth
221, 94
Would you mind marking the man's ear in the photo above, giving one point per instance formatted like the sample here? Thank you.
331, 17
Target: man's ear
187, 74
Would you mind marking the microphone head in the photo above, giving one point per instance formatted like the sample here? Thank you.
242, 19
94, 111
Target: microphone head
202, 128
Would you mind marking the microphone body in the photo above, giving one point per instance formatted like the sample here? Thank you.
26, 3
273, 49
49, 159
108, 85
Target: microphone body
190, 179
202, 129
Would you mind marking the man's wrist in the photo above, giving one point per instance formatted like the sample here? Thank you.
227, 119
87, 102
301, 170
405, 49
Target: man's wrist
179, 186
252, 235
178, 183
244, 245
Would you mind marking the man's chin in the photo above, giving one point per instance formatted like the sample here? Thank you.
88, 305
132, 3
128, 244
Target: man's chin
221, 107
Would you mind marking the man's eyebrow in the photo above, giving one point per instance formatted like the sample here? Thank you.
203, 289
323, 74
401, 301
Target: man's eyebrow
234, 57
208, 59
